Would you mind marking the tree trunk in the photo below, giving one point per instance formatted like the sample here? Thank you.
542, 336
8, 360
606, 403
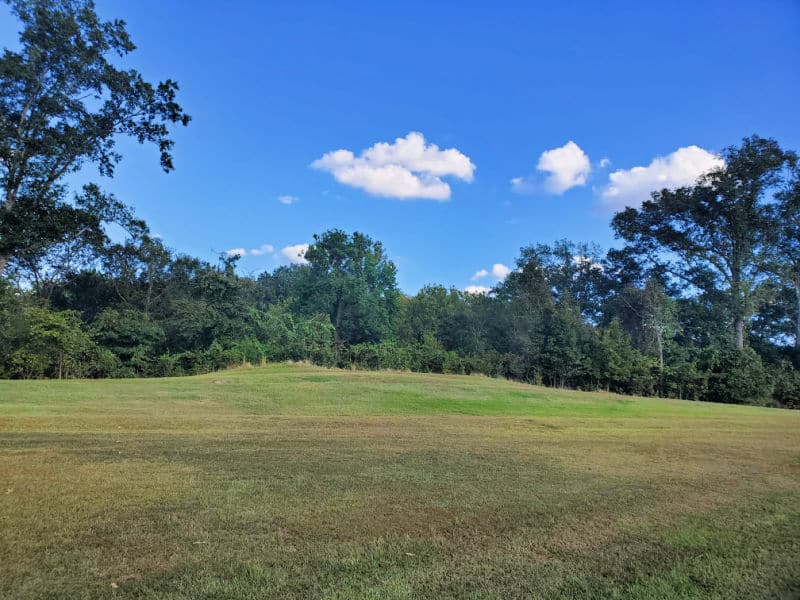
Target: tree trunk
8, 204
738, 307
660, 343
797, 312
739, 327
338, 321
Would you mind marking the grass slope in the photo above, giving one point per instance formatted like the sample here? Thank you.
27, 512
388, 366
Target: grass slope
299, 482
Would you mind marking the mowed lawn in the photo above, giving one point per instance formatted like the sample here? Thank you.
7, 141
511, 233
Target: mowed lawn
299, 482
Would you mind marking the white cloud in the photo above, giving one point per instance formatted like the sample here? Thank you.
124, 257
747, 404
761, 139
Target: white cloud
260, 251
586, 261
604, 162
500, 271
522, 185
295, 254
287, 199
630, 187
408, 168
263, 249
568, 167
477, 289
480, 274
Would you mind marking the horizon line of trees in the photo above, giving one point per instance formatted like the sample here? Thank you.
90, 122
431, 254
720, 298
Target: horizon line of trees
702, 301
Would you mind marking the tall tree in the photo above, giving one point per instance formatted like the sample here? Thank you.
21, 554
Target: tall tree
574, 271
786, 260
350, 278
63, 105
138, 269
715, 235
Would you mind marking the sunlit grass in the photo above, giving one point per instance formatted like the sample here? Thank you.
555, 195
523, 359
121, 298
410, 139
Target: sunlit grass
294, 481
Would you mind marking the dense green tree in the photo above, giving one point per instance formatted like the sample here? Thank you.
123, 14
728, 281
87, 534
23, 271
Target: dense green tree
138, 269
279, 286
787, 387
524, 301
12, 325
648, 316
473, 328
785, 261
624, 369
715, 235
563, 362
350, 278
63, 105
425, 313
203, 303
737, 377
574, 271
131, 335
55, 344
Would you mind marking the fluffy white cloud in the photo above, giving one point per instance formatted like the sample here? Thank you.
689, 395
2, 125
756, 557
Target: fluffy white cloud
477, 289
235, 252
629, 187
263, 249
500, 271
287, 199
480, 274
408, 168
568, 167
604, 162
295, 254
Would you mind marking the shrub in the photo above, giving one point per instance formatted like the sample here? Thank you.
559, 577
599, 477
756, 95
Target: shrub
54, 344
786, 392
738, 377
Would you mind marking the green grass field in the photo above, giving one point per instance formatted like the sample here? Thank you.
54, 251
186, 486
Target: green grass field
299, 482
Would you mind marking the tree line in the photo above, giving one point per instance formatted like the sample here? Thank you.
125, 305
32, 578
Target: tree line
700, 301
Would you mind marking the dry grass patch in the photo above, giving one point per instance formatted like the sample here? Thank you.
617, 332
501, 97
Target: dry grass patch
249, 484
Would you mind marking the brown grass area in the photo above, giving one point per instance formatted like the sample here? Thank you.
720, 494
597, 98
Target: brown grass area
175, 498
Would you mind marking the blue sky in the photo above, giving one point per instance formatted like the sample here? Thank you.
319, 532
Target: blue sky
274, 86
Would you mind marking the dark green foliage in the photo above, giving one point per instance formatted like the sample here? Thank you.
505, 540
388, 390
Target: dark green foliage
738, 377
623, 368
132, 336
787, 387
55, 344
703, 302
349, 278
716, 236
63, 105
427, 356
185, 316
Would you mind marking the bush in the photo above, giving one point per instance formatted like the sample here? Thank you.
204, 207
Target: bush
132, 336
167, 365
248, 350
786, 392
738, 377
487, 363
54, 344
452, 363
